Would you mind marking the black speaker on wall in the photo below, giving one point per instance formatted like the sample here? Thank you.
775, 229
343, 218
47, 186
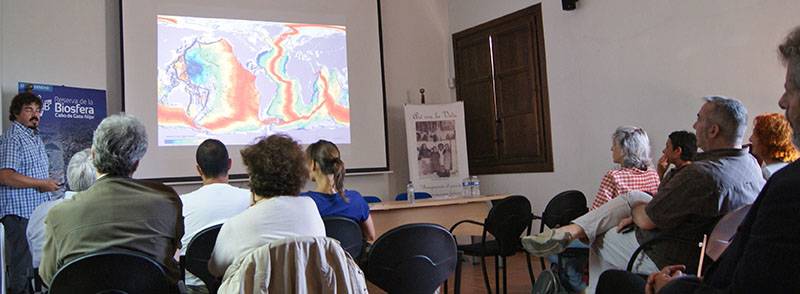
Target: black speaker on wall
568, 5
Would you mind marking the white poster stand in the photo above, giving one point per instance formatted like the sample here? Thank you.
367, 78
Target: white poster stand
437, 148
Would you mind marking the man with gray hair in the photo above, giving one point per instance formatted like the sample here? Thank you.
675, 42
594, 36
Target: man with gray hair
117, 211
721, 179
763, 256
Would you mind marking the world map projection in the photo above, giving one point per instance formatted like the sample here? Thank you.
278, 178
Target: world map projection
238, 80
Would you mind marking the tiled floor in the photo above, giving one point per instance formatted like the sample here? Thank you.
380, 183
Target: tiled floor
472, 278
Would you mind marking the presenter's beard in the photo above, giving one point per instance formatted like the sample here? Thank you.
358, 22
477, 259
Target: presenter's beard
34, 123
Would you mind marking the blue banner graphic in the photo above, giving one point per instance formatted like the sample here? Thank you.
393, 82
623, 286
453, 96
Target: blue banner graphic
69, 117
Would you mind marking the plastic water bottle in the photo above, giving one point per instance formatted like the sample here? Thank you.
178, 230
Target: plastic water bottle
476, 186
410, 192
466, 187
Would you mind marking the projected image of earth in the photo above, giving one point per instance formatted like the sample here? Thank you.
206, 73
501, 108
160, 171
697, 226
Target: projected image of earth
236, 80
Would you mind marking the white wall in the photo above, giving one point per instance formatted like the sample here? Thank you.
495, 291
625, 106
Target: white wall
614, 62
76, 43
56, 42
634, 62
2, 56
416, 38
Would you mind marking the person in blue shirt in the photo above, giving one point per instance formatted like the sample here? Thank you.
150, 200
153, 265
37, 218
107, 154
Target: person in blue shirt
327, 171
24, 184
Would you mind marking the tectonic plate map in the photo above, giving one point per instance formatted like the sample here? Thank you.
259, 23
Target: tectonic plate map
237, 80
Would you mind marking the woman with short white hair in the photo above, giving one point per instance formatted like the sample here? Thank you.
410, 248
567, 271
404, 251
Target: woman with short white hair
80, 176
630, 148
81, 173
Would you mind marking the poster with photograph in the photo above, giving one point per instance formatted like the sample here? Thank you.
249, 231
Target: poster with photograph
437, 147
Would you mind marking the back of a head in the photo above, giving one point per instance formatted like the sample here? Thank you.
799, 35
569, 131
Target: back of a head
120, 141
635, 146
687, 141
212, 157
80, 171
774, 133
731, 116
326, 156
276, 166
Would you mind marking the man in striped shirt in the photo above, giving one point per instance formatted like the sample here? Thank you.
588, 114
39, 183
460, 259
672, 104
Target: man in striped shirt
24, 184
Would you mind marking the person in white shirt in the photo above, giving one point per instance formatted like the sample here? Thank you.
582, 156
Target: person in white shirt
278, 170
214, 202
81, 175
772, 143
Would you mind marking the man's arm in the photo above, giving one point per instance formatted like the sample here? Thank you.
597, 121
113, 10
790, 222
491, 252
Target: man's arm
769, 260
9, 177
640, 217
689, 193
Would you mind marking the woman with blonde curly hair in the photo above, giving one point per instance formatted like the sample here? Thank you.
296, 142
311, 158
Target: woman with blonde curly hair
772, 143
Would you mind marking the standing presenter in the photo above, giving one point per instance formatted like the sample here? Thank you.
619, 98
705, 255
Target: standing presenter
24, 184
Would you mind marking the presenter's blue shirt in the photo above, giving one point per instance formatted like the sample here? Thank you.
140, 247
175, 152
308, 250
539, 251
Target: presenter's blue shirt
22, 150
333, 205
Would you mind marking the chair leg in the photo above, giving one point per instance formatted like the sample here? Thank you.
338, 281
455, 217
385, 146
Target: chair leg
505, 273
530, 268
485, 275
541, 261
457, 275
457, 283
497, 274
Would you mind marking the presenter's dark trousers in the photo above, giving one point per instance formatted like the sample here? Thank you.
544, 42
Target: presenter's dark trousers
19, 262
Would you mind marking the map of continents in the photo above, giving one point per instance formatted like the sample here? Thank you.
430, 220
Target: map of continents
236, 80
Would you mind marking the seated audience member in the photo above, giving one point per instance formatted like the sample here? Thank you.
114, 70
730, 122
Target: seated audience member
676, 154
680, 148
117, 211
277, 169
772, 143
80, 176
214, 202
327, 171
630, 148
763, 256
723, 178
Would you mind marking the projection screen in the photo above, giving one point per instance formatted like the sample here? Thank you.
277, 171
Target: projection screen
243, 69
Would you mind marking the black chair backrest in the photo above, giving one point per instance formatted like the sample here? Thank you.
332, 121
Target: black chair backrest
563, 208
198, 252
347, 232
412, 258
372, 199
507, 220
417, 195
112, 271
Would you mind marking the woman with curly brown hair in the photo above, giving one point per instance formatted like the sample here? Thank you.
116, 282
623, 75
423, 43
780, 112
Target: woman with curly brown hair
772, 143
277, 169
